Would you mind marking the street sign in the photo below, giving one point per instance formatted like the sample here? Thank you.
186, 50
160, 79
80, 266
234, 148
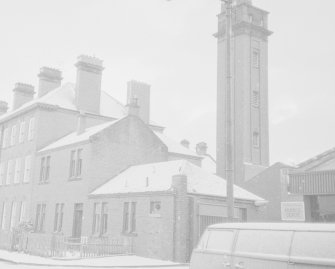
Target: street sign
293, 211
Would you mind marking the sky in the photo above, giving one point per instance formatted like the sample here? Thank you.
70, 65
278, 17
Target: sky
170, 45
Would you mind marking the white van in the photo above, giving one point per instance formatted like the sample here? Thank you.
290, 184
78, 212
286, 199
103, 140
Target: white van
266, 245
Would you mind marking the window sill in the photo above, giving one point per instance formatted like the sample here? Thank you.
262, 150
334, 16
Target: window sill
153, 215
75, 178
130, 234
43, 182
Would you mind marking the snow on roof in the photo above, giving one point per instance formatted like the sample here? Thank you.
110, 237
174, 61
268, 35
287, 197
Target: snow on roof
208, 164
175, 147
75, 138
155, 177
318, 159
64, 97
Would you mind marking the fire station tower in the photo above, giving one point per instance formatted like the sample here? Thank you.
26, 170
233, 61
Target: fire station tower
249, 84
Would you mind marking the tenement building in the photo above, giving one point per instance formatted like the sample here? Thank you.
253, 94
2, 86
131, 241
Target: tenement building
61, 148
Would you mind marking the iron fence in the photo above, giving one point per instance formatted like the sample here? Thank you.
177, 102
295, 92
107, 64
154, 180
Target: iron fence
60, 246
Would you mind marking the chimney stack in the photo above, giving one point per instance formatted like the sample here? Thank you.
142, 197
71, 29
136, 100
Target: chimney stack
81, 127
140, 91
3, 107
88, 84
185, 143
49, 79
23, 93
133, 107
201, 148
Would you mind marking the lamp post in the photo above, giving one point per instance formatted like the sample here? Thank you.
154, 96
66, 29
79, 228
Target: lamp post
229, 149
229, 152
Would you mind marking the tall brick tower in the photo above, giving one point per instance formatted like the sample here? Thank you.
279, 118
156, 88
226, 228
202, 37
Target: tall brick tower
249, 83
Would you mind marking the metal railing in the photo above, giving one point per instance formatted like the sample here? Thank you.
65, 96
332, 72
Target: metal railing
54, 245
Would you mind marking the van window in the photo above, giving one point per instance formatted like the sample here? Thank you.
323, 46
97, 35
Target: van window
304, 245
220, 240
264, 242
203, 241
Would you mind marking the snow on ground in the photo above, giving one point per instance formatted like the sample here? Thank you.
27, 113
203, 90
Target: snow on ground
104, 261
4, 265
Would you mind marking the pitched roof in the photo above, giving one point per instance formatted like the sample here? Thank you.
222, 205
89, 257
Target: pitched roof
175, 147
64, 97
75, 138
317, 160
155, 177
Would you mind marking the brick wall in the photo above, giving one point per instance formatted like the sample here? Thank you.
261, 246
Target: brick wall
128, 142
154, 233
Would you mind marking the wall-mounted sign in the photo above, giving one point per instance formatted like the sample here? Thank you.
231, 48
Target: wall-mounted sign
293, 211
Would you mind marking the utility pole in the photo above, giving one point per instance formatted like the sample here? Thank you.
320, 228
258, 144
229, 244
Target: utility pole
229, 151
230, 173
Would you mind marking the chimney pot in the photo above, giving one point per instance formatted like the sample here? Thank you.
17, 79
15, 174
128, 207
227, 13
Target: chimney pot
3, 107
185, 143
201, 148
23, 93
49, 79
140, 91
88, 84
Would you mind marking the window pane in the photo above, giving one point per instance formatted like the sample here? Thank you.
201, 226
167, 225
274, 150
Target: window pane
263, 242
304, 244
203, 241
220, 240
125, 216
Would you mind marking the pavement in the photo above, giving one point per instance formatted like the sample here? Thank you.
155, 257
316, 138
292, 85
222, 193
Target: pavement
121, 261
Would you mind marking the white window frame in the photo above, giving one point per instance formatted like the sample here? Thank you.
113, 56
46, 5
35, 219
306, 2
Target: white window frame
76, 164
129, 224
13, 135
13, 215
10, 168
31, 129
27, 169
5, 138
23, 211
4, 215
22, 131
17, 174
2, 173
96, 218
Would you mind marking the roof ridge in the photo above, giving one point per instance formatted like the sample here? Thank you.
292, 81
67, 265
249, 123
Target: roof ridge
317, 157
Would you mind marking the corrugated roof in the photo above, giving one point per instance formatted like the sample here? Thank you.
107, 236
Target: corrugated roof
155, 177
